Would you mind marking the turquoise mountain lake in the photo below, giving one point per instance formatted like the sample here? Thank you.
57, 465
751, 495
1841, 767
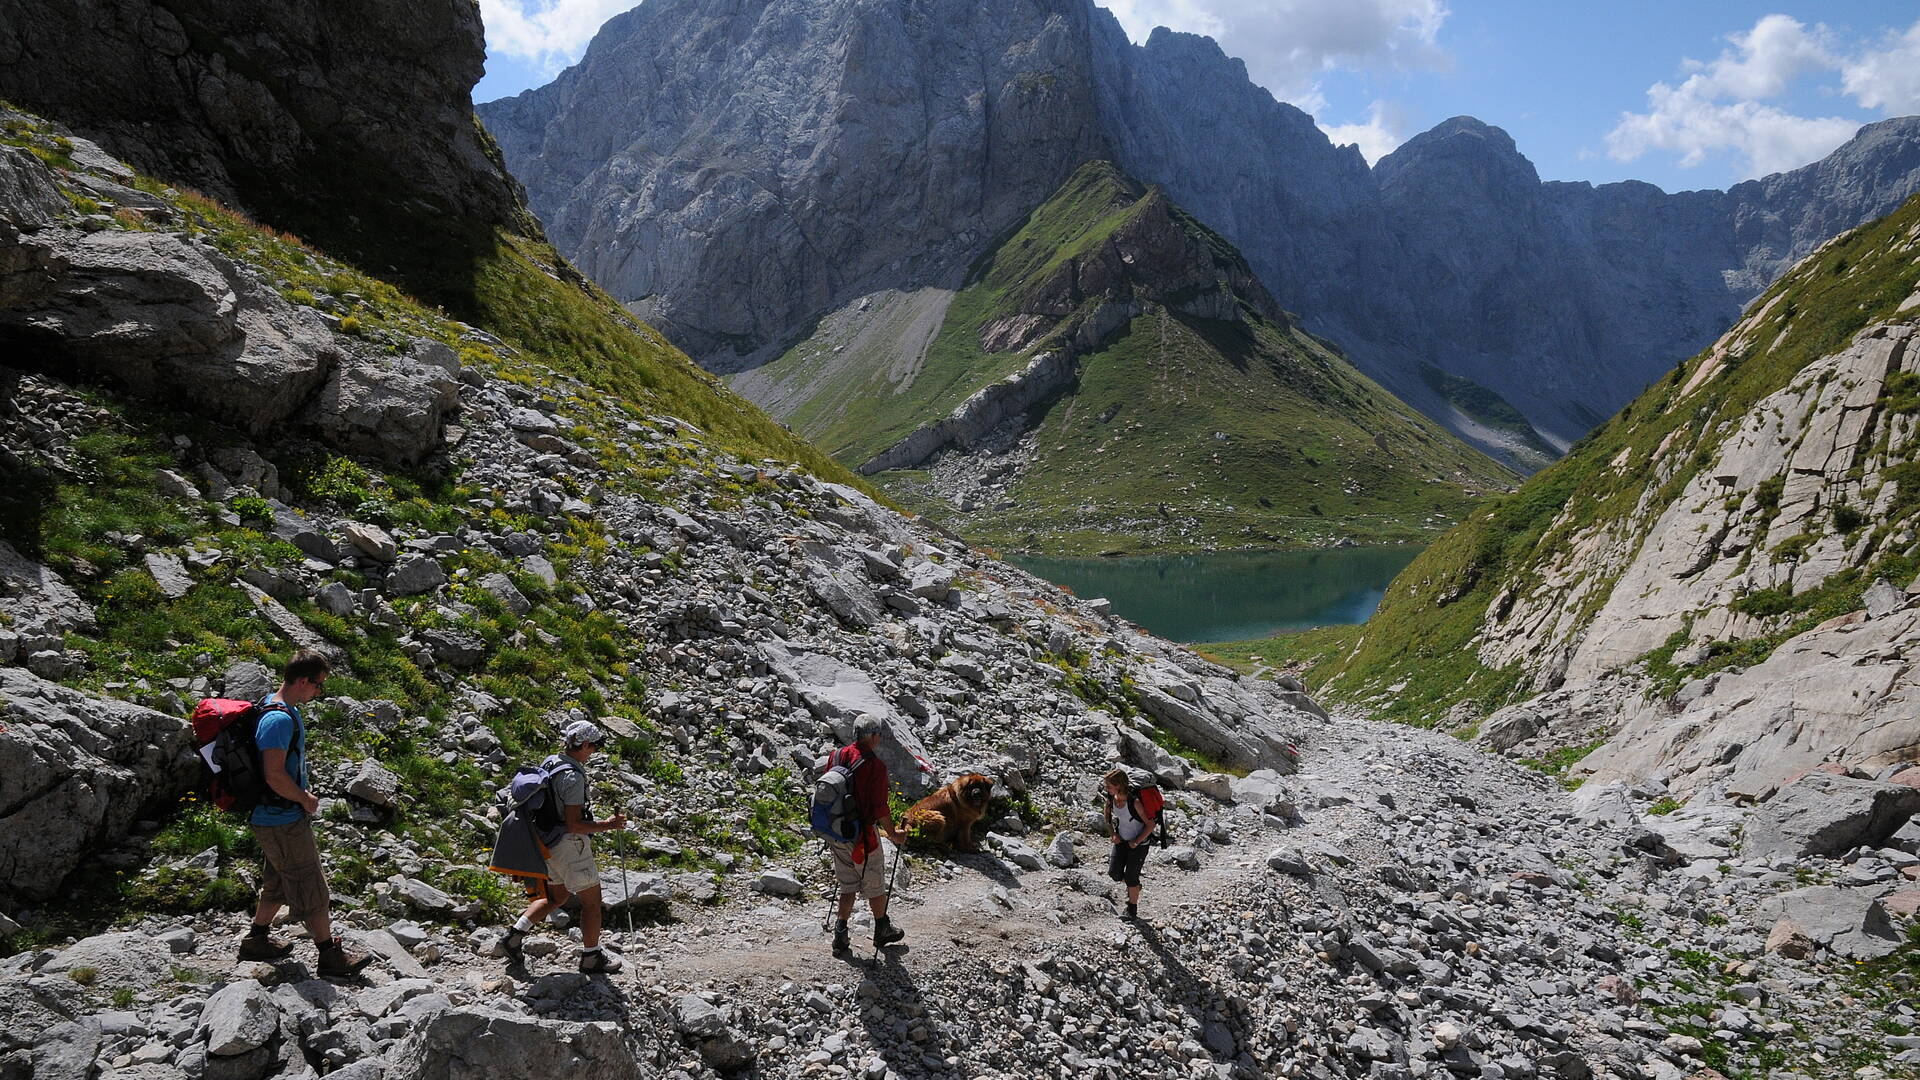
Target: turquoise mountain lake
1234, 595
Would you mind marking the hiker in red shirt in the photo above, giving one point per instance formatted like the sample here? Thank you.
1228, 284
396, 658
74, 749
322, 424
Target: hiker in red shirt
860, 867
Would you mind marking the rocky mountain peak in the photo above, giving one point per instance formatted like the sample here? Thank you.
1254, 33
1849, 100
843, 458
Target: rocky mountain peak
1476, 159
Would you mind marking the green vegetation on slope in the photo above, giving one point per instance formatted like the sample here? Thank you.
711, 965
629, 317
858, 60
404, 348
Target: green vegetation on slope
1424, 637
861, 411
1183, 433
89, 509
1191, 433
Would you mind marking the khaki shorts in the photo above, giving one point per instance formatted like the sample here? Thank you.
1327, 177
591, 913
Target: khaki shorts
293, 875
570, 864
868, 879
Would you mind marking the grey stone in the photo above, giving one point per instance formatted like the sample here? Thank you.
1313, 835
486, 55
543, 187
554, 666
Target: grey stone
473, 1044
502, 588
415, 574
76, 771
1289, 861
375, 783
1823, 814
372, 541
66, 1052
423, 897
390, 407
1883, 598
779, 883
694, 1015
1851, 922
169, 573
335, 599
238, 1018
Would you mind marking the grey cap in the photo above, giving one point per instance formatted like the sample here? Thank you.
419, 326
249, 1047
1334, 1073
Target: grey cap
868, 724
581, 732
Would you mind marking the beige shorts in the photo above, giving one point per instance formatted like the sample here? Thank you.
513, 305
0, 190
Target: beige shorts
292, 875
868, 879
570, 864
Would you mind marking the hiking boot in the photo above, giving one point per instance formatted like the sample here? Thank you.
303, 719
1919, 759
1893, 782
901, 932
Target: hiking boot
885, 933
841, 944
1133, 912
515, 940
601, 962
258, 946
336, 960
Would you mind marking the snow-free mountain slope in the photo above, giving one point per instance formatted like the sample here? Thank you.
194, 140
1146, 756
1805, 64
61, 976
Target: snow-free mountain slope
737, 171
1115, 378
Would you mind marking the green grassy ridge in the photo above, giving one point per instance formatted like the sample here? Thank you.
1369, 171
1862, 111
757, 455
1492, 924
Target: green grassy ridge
1424, 636
863, 411
1314, 451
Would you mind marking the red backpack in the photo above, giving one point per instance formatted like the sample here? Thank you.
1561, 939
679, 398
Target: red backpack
223, 734
1148, 804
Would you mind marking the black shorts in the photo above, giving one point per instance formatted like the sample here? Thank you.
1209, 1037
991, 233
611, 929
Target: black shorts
1126, 861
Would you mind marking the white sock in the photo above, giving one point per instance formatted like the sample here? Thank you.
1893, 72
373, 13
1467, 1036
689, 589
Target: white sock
593, 948
523, 923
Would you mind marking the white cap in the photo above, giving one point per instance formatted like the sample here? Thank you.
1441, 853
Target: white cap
581, 732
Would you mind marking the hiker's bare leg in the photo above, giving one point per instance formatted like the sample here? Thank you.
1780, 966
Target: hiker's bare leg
264, 913
879, 905
589, 916
320, 925
546, 905
846, 906
1133, 894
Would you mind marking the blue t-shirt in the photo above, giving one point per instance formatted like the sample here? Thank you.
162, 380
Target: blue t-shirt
280, 728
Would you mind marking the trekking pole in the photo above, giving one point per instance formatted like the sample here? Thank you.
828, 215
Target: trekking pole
626, 891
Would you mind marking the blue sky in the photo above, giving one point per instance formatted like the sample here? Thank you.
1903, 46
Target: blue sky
1682, 93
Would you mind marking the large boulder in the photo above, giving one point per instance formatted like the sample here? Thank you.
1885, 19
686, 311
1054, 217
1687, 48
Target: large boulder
167, 318
1215, 717
391, 407
464, 1044
1824, 814
839, 693
76, 770
124, 961
1851, 922
238, 1018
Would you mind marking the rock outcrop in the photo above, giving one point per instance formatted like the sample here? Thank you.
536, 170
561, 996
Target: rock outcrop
1720, 584
348, 123
735, 173
159, 313
76, 770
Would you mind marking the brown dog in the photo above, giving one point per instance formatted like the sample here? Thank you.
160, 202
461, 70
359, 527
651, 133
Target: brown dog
949, 815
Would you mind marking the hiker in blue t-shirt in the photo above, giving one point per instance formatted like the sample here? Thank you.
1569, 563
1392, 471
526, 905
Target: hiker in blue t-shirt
283, 825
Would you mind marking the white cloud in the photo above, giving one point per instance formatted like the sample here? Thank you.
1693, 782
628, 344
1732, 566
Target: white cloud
1385, 129
1289, 44
1721, 105
550, 33
1887, 78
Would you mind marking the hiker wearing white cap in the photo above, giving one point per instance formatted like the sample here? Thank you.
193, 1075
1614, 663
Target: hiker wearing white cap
570, 867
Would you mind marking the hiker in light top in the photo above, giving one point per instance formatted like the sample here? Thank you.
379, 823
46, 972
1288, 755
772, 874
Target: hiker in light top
570, 867
1131, 826
283, 825
860, 867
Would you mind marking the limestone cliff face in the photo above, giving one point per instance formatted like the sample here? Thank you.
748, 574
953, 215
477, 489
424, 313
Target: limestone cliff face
347, 122
1724, 578
731, 170
734, 171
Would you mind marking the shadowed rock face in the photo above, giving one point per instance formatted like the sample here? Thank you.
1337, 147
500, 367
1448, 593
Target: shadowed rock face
347, 122
734, 171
